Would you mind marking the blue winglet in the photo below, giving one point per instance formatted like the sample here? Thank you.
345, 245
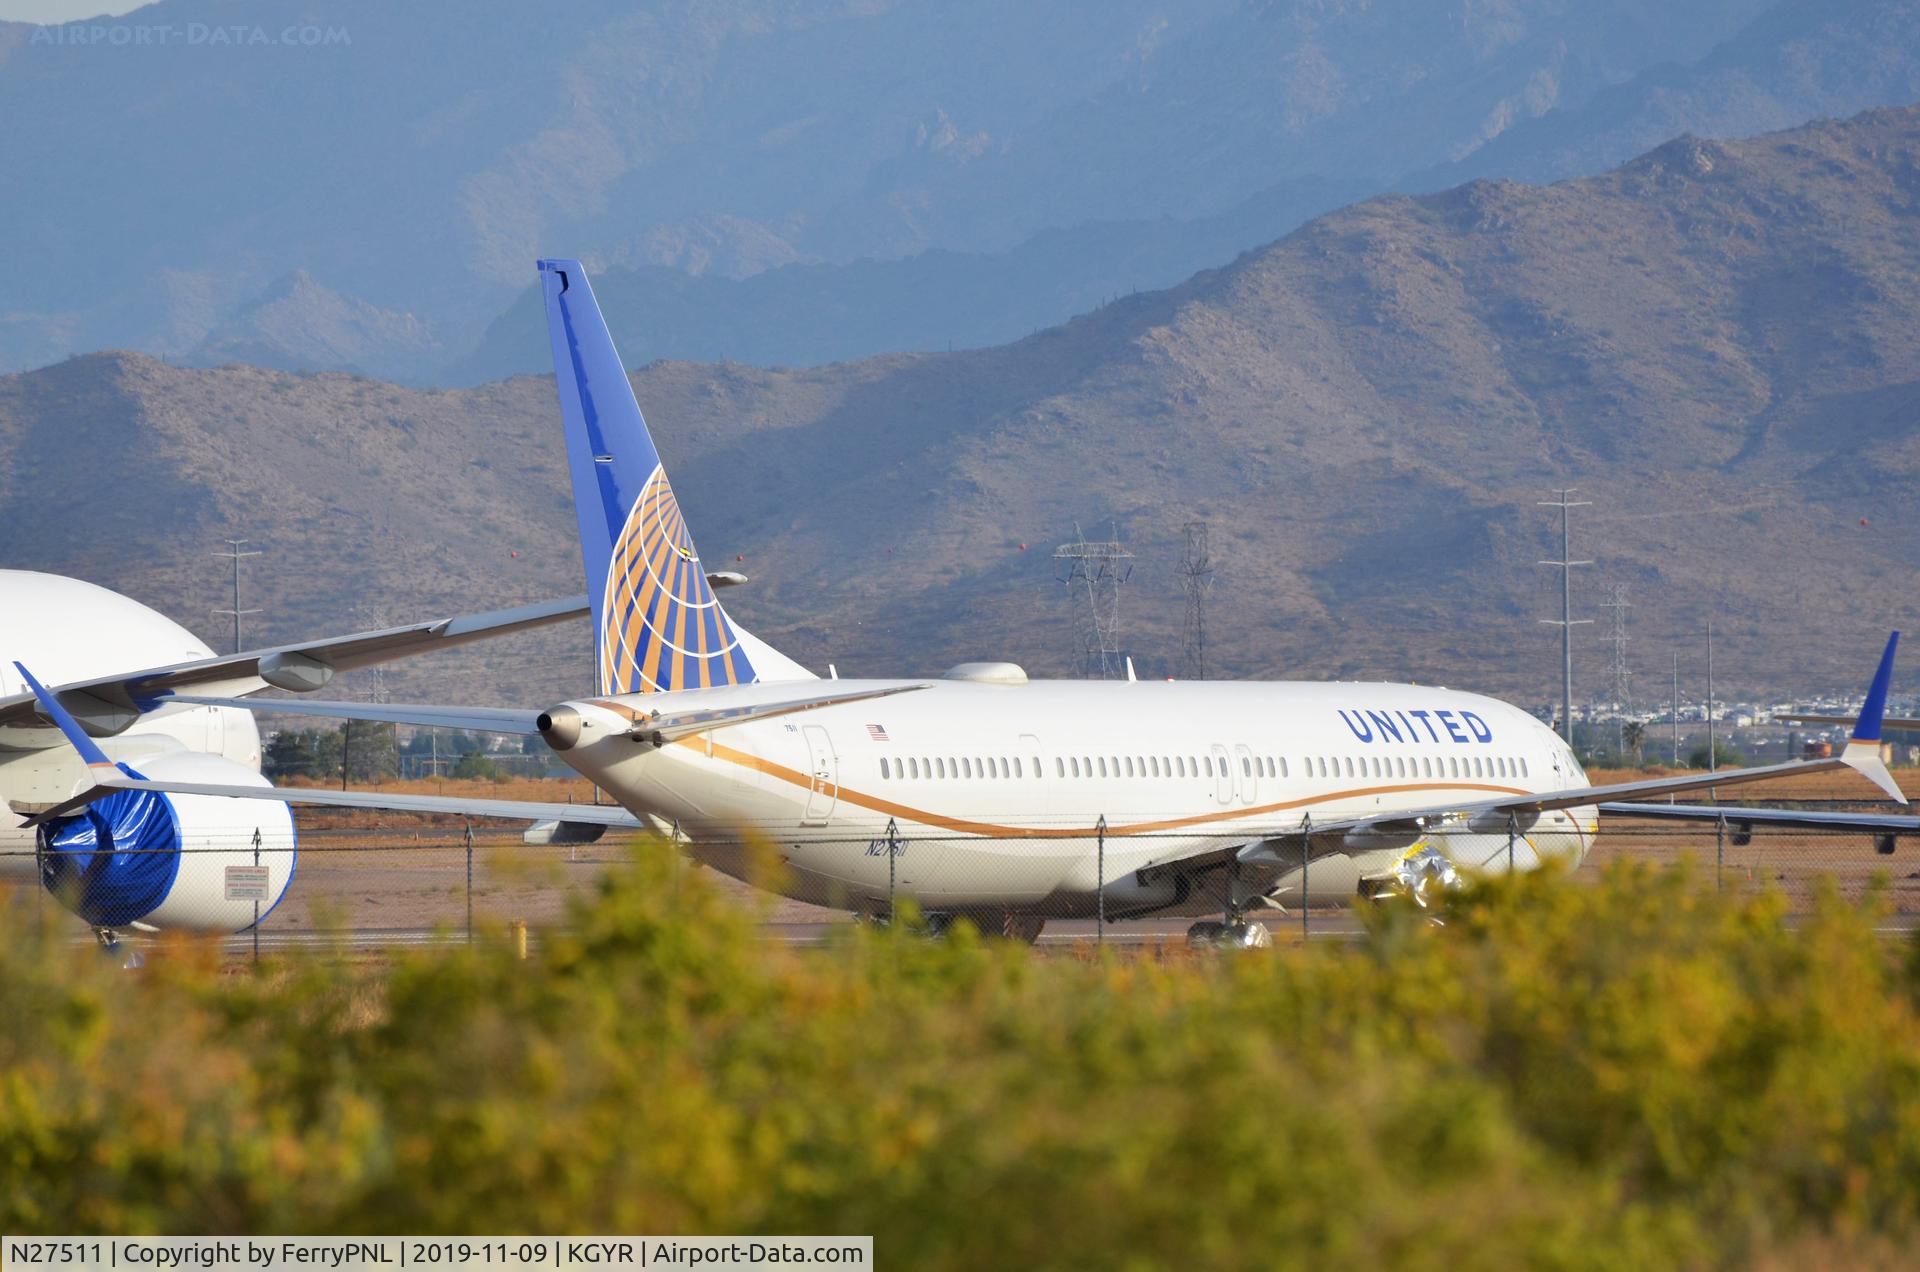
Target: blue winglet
1867, 727
64, 721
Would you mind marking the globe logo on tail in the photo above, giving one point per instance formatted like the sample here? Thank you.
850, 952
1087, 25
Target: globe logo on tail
664, 629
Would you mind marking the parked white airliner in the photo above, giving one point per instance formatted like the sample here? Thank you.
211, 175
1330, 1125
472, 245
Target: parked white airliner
981, 792
159, 862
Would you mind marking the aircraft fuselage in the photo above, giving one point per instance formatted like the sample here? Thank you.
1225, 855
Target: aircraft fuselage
996, 795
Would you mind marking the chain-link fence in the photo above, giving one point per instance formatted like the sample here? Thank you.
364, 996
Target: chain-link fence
369, 888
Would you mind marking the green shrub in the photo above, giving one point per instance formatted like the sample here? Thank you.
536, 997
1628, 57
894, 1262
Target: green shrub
1634, 1072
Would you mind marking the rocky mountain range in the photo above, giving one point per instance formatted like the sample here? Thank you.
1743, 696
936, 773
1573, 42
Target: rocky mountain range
1717, 342
355, 186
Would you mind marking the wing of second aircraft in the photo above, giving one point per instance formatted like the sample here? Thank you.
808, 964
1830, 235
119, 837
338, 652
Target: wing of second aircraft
110, 704
656, 727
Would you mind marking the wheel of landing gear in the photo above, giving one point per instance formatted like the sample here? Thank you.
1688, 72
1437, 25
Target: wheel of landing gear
1246, 936
1229, 936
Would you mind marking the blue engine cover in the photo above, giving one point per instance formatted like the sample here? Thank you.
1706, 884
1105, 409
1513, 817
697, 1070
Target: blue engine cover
114, 862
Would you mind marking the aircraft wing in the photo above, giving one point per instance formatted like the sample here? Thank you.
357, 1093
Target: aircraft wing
1327, 836
110, 704
1861, 754
507, 720
388, 801
108, 777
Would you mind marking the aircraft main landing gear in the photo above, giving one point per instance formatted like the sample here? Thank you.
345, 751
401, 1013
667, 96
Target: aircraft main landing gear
1232, 932
1211, 934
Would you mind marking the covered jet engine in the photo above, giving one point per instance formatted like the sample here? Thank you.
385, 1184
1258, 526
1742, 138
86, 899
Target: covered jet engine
146, 860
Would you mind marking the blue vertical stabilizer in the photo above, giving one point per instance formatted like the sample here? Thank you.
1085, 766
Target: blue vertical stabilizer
657, 624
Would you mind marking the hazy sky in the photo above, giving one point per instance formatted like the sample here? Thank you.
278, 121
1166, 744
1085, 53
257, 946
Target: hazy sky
63, 10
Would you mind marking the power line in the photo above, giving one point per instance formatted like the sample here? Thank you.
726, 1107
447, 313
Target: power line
1566, 622
234, 553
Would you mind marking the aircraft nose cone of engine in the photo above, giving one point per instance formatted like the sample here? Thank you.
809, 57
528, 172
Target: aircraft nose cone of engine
560, 726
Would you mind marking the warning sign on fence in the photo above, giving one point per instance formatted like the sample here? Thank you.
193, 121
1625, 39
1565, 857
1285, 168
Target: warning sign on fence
246, 883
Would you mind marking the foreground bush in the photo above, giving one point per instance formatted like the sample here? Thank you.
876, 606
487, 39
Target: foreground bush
1628, 1073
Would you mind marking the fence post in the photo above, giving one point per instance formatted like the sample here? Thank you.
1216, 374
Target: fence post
673, 856
256, 900
1512, 831
1719, 852
1306, 857
469, 839
1100, 882
893, 851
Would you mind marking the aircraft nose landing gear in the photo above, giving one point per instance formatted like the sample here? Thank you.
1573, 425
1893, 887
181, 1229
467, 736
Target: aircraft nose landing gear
131, 958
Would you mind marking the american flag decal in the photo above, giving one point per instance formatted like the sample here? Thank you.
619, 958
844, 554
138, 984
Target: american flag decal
877, 733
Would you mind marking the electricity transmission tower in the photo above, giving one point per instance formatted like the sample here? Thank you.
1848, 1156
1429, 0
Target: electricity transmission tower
1622, 677
1093, 575
1196, 581
373, 617
234, 553
1566, 622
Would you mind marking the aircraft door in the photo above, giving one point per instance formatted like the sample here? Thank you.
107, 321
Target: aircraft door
824, 788
1248, 773
1222, 774
1033, 763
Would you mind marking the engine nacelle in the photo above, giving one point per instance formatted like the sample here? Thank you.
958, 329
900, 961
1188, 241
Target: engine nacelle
148, 860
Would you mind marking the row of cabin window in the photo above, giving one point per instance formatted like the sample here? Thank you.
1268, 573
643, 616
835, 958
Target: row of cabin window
914, 767
1155, 766
939, 767
1416, 766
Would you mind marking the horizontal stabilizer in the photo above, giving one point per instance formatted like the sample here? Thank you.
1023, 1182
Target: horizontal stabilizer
666, 726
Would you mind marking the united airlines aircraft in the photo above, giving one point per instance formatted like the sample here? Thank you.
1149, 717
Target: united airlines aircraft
979, 791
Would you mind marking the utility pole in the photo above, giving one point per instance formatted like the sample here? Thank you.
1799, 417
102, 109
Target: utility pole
1713, 759
234, 553
1676, 710
1566, 621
